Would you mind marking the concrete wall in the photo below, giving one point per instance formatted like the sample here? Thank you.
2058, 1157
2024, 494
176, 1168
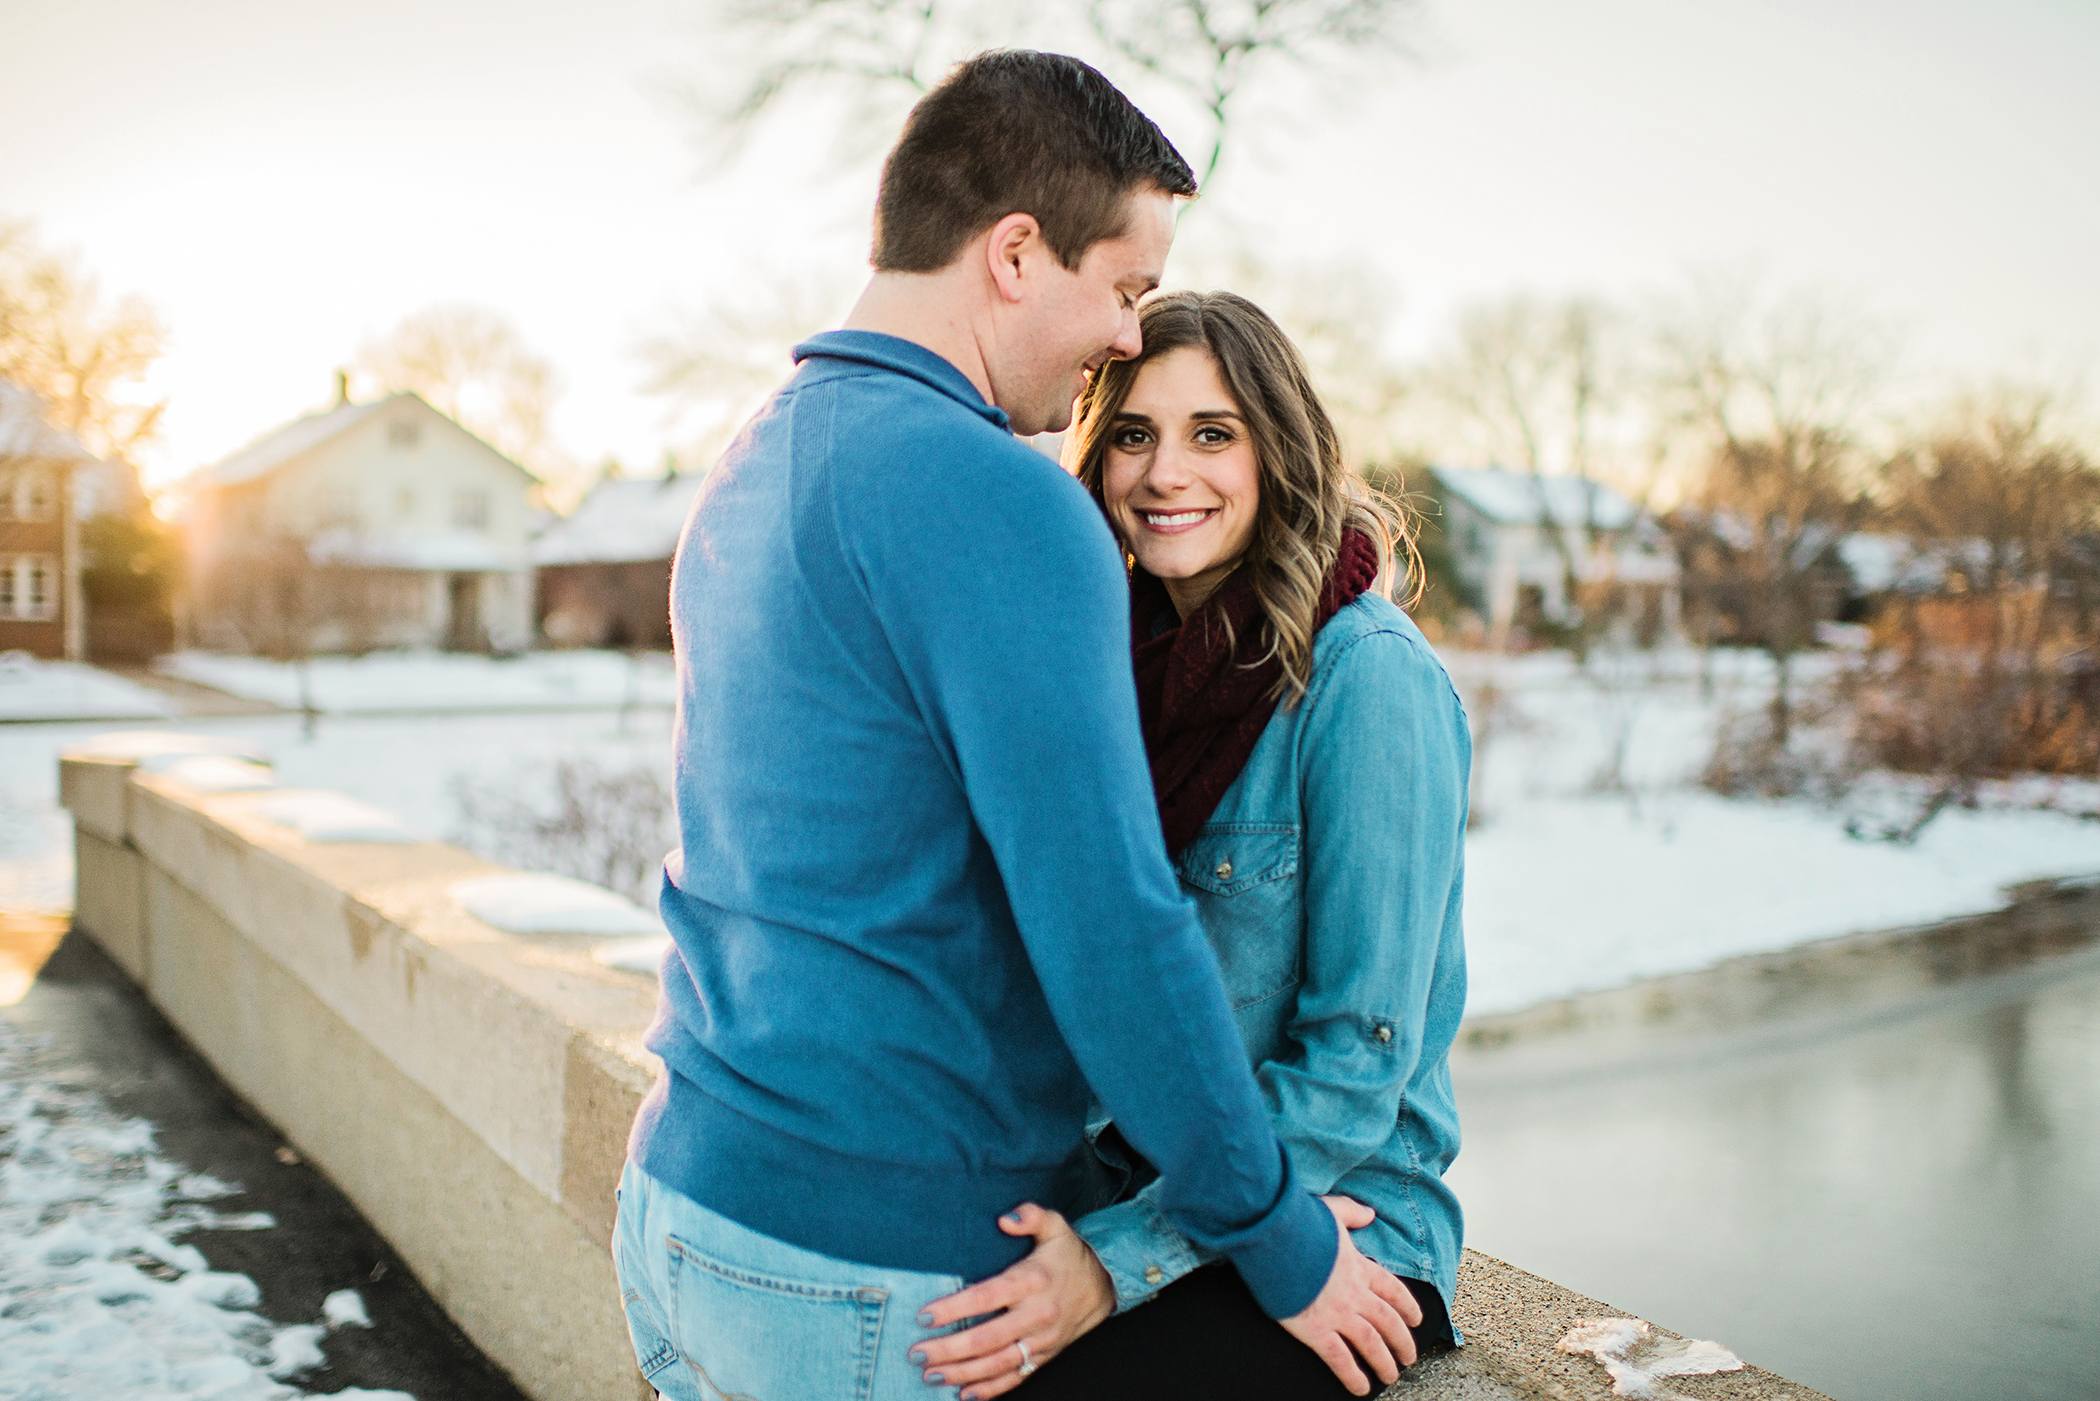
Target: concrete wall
468, 1089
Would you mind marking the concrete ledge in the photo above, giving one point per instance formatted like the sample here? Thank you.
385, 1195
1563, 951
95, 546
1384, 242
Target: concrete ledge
468, 1089
471, 1090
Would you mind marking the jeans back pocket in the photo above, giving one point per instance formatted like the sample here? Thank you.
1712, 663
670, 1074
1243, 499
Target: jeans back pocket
746, 1335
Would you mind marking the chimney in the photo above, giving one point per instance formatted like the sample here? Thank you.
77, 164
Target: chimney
342, 389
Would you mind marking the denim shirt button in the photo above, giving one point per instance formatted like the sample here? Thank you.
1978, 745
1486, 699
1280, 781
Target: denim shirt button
1154, 1274
1224, 870
1385, 1034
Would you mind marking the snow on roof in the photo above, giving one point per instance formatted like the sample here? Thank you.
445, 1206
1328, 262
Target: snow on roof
622, 520
25, 432
1513, 498
272, 450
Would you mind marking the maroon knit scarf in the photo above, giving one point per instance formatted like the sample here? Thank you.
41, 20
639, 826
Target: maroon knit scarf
1203, 714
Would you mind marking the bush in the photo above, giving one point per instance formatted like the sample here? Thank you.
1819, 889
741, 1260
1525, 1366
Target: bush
607, 826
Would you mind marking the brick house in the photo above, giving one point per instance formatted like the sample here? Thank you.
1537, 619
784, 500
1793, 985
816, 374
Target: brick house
41, 610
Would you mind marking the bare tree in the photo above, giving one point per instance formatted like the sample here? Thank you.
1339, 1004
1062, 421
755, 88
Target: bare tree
1771, 397
712, 367
1996, 670
879, 55
470, 363
1215, 51
85, 356
1541, 383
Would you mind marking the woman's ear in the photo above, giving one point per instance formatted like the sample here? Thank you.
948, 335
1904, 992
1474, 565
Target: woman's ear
1010, 246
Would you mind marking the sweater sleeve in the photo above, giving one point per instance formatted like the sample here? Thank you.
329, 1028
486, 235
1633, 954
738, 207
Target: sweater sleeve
1003, 599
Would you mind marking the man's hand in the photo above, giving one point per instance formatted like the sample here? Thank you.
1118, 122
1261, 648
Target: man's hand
1362, 1306
1049, 1298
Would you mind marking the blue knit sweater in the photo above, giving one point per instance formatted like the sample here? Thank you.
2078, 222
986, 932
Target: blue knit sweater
921, 900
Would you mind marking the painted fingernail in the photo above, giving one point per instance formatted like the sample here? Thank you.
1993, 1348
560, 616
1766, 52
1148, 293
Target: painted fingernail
926, 1315
1014, 1217
918, 1357
934, 1379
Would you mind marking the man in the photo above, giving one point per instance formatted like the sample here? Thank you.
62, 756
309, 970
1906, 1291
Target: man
921, 901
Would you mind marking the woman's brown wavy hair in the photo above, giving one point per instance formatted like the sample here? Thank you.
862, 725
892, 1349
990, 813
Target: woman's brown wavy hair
1308, 494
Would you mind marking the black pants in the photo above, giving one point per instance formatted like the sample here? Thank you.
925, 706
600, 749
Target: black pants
1203, 1336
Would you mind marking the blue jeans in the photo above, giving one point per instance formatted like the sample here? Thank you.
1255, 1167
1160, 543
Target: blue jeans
719, 1312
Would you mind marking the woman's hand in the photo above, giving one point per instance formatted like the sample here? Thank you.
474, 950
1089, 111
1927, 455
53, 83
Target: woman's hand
1364, 1314
1057, 1293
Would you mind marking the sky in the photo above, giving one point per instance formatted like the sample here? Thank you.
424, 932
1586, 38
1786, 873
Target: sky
285, 180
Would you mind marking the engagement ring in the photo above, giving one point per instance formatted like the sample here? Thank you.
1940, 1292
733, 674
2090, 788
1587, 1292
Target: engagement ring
1027, 1362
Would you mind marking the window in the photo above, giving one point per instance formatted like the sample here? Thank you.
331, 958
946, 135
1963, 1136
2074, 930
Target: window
403, 433
35, 501
28, 588
470, 510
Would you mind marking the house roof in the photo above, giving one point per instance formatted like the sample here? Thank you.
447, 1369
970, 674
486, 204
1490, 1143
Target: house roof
1517, 498
623, 520
272, 450
26, 432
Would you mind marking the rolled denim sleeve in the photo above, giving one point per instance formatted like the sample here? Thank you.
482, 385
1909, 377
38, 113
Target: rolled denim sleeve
1140, 1248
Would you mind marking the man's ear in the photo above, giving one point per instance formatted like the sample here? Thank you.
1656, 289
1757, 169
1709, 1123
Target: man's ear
1008, 249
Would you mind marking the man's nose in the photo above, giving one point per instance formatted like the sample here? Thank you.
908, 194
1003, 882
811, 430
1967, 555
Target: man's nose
1129, 341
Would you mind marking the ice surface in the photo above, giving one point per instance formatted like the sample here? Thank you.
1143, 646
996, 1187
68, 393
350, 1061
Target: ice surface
645, 955
345, 1309
545, 904
1637, 1360
38, 690
102, 1298
331, 817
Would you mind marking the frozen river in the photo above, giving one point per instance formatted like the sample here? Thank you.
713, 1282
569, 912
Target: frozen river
1881, 1182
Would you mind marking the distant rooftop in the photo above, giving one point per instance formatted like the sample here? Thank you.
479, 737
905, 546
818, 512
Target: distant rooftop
26, 432
1519, 498
623, 520
273, 449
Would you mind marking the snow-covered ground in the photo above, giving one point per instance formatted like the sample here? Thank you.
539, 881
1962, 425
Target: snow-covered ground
437, 681
1568, 888
103, 1298
38, 690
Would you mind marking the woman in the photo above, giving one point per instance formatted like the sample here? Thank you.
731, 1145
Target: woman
1310, 760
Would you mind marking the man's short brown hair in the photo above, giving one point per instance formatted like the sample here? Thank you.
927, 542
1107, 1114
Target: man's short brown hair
1015, 131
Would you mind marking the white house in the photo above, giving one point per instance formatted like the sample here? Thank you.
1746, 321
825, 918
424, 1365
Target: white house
1502, 529
383, 524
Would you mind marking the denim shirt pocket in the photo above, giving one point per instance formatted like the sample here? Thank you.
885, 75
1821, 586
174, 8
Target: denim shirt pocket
1244, 878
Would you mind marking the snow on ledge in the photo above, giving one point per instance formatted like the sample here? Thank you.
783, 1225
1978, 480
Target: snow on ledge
220, 773
157, 750
331, 817
644, 955
536, 903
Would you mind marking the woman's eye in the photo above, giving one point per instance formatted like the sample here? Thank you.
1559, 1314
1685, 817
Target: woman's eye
1129, 438
1213, 437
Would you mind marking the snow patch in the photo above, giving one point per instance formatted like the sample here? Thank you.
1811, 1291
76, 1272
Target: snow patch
331, 817
103, 1298
1636, 1360
345, 1309
400, 682
545, 904
38, 690
157, 750
218, 773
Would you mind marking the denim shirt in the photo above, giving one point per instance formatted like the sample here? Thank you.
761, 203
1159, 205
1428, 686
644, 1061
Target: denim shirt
1329, 882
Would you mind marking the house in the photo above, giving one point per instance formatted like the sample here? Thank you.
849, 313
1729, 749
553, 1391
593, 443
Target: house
1512, 536
604, 571
365, 526
41, 606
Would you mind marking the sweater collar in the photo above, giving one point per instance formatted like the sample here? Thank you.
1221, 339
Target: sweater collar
902, 357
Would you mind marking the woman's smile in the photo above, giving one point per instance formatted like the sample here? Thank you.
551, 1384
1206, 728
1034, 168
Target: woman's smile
1174, 522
